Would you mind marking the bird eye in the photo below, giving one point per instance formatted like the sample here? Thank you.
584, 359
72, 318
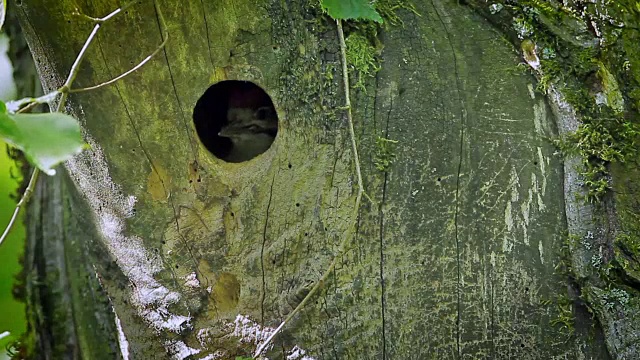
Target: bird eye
263, 113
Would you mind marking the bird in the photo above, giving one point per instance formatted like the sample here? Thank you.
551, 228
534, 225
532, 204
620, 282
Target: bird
250, 130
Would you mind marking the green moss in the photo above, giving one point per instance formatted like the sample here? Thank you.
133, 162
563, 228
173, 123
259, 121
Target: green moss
362, 59
385, 153
363, 46
565, 317
388, 10
599, 142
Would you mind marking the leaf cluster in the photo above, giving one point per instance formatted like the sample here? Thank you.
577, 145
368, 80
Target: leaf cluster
46, 139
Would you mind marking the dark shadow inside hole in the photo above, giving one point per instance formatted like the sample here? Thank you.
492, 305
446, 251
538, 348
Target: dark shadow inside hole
235, 120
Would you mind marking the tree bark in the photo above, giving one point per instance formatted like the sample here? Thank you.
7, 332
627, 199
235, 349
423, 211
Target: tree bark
148, 246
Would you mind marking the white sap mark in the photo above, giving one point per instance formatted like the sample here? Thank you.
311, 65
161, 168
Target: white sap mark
536, 186
541, 161
179, 350
191, 280
541, 205
525, 235
525, 207
298, 354
531, 91
539, 115
525, 210
514, 184
90, 173
541, 251
122, 339
251, 332
508, 219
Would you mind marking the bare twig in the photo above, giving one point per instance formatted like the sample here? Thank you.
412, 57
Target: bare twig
65, 90
356, 208
23, 200
140, 64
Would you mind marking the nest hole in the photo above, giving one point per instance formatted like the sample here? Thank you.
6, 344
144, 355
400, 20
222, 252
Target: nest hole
235, 120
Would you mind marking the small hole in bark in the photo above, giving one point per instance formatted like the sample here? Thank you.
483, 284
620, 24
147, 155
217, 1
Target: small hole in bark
232, 214
439, 179
290, 166
235, 120
535, 163
297, 204
521, 345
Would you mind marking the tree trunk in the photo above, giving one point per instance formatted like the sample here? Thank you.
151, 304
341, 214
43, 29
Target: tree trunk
148, 246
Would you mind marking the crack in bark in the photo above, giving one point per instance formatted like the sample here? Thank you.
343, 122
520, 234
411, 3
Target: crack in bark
153, 167
381, 214
264, 241
206, 28
175, 91
463, 115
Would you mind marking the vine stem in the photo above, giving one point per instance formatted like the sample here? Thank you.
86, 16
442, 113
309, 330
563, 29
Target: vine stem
356, 208
65, 90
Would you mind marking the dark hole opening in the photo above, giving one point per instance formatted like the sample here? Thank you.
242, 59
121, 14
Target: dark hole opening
235, 120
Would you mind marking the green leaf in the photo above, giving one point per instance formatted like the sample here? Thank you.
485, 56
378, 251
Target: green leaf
3, 12
3, 107
46, 139
351, 9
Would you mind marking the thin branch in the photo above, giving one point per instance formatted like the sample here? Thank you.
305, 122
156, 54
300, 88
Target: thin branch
77, 12
65, 90
23, 200
147, 59
356, 208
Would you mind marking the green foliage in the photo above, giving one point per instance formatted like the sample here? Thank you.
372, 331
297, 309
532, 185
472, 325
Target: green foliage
243, 358
388, 10
361, 57
600, 142
46, 139
565, 316
350, 9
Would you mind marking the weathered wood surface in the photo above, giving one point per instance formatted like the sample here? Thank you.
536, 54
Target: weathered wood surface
454, 260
